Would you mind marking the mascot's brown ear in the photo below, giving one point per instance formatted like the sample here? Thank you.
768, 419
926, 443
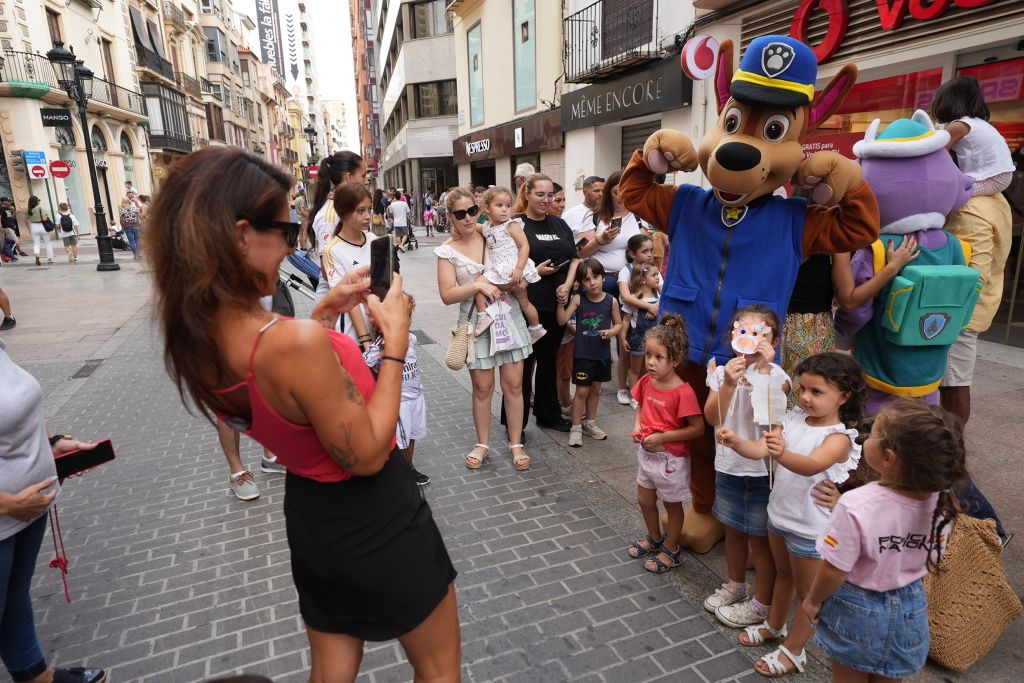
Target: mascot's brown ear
723, 73
828, 101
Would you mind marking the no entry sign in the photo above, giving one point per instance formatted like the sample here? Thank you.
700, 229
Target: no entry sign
37, 171
59, 169
313, 171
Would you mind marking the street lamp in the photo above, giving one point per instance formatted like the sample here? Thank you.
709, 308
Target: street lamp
310, 132
77, 80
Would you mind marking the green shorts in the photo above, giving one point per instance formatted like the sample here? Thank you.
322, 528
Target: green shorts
71, 241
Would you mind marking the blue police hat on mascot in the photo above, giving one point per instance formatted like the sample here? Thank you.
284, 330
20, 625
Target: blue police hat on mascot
777, 71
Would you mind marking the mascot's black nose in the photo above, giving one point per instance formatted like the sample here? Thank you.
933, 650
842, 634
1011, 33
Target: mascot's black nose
738, 156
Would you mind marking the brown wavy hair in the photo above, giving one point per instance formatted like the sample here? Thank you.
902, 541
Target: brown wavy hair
670, 332
346, 200
606, 209
198, 266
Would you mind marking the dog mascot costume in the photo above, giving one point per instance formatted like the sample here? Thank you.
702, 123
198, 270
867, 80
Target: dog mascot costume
737, 243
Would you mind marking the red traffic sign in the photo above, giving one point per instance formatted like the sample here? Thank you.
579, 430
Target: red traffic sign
37, 171
59, 169
313, 171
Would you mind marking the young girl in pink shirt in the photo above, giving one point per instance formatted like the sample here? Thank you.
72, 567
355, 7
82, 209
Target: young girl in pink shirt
867, 599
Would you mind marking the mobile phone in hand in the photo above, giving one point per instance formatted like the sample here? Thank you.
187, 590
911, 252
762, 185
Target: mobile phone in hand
383, 263
582, 243
77, 461
617, 223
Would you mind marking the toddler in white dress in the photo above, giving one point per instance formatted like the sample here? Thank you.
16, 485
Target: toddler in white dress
508, 261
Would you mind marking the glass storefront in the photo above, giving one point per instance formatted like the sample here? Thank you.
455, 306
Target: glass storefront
897, 97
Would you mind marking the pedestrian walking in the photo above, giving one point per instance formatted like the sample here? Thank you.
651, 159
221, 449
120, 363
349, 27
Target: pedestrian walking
380, 207
39, 221
8, 321
68, 231
131, 220
666, 418
399, 211
306, 393
28, 489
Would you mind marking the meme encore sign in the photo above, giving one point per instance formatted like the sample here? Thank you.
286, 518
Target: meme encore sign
891, 13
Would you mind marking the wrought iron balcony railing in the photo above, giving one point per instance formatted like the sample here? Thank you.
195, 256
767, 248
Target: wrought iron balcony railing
608, 37
174, 16
190, 85
116, 96
148, 59
26, 67
169, 139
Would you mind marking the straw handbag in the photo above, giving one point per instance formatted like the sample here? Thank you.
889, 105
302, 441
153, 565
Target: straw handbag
460, 348
970, 602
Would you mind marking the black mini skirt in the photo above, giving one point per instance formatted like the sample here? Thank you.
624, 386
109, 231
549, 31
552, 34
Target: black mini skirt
367, 558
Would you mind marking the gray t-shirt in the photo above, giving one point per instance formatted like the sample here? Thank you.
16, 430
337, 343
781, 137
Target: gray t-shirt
25, 454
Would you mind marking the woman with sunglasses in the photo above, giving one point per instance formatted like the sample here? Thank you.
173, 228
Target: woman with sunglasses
460, 264
367, 559
553, 250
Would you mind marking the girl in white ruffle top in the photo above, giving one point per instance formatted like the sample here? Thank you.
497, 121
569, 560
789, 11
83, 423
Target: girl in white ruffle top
816, 442
508, 263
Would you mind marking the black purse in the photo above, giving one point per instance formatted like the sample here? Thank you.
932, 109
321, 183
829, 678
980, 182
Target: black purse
49, 225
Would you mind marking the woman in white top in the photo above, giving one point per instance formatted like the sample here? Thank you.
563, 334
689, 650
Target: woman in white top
615, 224
336, 169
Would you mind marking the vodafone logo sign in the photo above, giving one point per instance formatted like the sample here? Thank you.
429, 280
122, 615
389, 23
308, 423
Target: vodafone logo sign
698, 57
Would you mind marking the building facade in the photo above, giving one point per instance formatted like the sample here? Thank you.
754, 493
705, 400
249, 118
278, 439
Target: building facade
363, 20
419, 100
116, 114
336, 115
509, 64
902, 54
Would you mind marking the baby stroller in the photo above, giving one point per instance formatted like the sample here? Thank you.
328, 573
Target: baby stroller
304, 263
413, 243
118, 239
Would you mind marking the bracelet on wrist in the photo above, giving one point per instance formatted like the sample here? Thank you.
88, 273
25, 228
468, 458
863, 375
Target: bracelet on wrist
394, 358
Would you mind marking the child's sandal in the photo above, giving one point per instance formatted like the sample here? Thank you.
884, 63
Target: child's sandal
638, 551
656, 565
522, 461
754, 637
776, 669
474, 461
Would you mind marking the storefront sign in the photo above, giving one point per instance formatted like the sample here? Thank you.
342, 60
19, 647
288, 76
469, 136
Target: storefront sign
53, 118
891, 14
649, 90
528, 135
834, 142
269, 36
478, 146
1001, 81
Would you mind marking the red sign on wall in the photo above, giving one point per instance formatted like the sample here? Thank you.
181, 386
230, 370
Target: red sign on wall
1001, 81
59, 169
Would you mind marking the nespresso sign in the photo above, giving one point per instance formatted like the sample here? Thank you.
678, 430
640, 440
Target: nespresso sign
478, 146
648, 90
536, 133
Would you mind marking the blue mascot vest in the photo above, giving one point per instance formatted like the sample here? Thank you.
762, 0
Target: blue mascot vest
896, 369
714, 270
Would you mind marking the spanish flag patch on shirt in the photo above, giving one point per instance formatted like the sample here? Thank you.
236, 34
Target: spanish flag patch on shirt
830, 541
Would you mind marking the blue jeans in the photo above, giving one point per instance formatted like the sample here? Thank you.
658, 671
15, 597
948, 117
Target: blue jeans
19, 646
133, 239
975, 504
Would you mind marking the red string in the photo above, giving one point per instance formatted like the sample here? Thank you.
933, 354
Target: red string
61, 559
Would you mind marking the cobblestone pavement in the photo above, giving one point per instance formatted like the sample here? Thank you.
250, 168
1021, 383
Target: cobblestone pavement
173, 579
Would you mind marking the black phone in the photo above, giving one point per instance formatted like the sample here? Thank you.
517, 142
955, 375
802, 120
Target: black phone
75, 462
383, 263
582, 243
617, 222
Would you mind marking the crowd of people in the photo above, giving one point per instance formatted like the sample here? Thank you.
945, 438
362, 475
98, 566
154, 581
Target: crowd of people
809, 467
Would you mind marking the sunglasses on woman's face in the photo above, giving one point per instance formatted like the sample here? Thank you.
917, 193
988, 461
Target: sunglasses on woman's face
462, 213
290, 230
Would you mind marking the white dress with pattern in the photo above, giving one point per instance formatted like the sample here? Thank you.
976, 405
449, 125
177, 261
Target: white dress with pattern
503, 255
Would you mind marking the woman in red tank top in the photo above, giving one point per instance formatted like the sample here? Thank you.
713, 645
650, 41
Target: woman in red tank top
355, 519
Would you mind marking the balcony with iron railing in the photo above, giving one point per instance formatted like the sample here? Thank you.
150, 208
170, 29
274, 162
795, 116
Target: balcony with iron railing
286, 131
609, 37
174, 16
200, 142
32, 75
110, 93
148, 59
170, 140
190, 85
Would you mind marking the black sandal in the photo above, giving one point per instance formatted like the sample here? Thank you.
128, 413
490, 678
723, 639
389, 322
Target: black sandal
637, 551
660, 566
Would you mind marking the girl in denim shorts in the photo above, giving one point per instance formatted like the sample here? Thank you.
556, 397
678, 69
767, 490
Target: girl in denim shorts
741, 484
817, 442
868, 601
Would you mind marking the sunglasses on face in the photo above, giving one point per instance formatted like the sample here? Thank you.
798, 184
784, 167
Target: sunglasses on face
462, 213
290, 230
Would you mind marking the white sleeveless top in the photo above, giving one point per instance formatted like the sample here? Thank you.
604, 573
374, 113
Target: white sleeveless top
983, 152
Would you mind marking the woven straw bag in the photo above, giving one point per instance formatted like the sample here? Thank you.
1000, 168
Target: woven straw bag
970, 602
460, 347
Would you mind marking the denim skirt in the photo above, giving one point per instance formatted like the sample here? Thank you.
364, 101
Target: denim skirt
741, 503
883, 633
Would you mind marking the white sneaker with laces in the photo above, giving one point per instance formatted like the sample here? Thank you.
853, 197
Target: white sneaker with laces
726, 595
623, 396
633, 403
740, 615
591, 429
576, 436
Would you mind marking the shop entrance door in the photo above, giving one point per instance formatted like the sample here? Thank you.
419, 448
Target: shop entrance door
483, 174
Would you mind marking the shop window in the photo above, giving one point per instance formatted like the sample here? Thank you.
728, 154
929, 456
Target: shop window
430, 19
99, 143
65, 136
436, 99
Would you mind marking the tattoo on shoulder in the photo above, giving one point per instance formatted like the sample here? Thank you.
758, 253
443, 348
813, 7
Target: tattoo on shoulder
327, 320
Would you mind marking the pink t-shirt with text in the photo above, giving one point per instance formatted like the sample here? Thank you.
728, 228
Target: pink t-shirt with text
879, 537
665, 411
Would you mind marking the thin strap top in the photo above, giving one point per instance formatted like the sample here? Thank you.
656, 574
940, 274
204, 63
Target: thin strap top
296, 446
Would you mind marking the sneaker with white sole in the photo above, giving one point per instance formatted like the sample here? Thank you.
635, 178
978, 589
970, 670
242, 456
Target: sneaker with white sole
740, 615
271, 466
576, 436
728, 594
623, 397
243, 485
591, 429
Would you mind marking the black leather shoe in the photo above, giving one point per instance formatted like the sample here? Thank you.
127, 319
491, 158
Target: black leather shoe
562, 425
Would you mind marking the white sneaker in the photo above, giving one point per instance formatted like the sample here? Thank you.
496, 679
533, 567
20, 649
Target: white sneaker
536, 332
740, 615
243, 485
726, 595
591, 429
634, 404
576, 436
623, 396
